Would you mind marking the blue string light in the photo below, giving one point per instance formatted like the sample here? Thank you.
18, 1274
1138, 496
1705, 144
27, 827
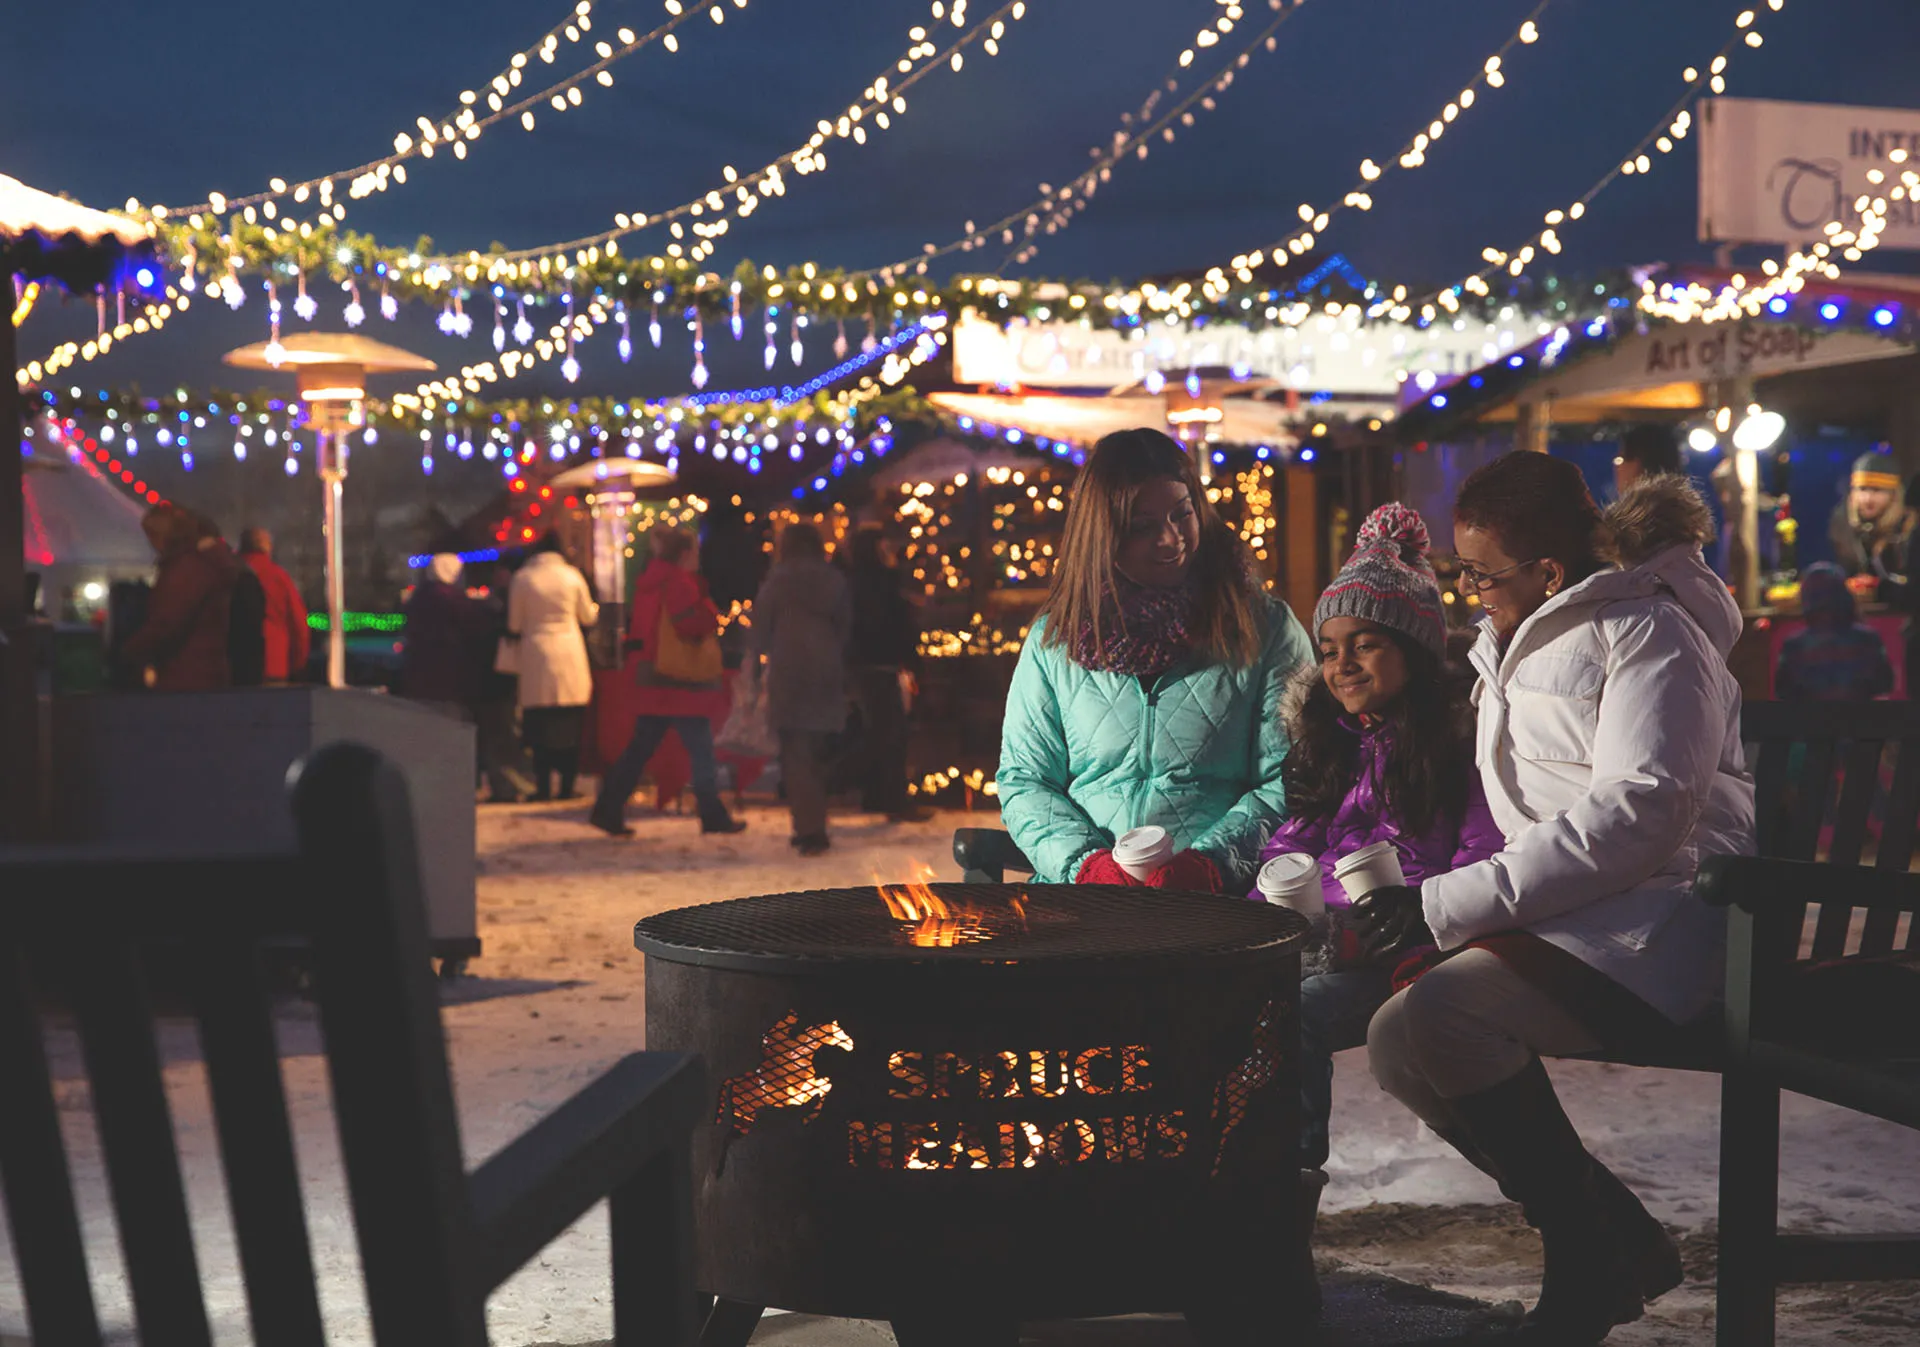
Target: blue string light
466, 558
788, 394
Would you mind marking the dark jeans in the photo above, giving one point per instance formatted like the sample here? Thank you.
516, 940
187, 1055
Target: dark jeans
696, 732
1334, 1011
803, 766
502, 758
883, 738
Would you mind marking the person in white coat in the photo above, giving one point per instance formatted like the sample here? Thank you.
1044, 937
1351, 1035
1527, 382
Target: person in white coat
547, 606
1608, 742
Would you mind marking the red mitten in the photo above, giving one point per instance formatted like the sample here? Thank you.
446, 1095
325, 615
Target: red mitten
1187, 870
1101, 868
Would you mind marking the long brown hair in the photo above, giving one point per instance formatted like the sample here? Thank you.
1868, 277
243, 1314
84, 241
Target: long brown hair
1226, 626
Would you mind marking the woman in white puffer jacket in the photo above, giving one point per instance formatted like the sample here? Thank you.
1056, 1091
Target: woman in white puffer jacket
1609, 746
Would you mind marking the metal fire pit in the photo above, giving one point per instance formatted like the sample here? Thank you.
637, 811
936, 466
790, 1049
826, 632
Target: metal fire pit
987, 1103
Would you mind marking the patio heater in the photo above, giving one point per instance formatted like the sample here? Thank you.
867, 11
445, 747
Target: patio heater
332, 369
611, 486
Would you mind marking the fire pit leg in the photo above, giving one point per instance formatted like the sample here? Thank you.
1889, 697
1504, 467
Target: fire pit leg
730, 1324
956, 1330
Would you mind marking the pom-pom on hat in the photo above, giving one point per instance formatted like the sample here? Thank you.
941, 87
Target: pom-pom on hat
1389, 581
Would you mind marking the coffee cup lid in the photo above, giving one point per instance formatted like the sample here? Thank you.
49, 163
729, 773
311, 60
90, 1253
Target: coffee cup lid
1140, 842
1288, 868
1364, 856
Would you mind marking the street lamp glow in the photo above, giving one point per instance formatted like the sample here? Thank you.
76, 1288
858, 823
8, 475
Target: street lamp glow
1702, 441
1759, 431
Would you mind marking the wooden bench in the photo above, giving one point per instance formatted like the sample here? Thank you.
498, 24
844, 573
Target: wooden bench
93, 934
1829, 780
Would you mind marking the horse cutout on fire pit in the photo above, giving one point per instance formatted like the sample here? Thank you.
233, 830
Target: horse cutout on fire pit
958, 1107
787, 1078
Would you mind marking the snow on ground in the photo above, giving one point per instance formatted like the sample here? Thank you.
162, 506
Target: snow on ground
557, 997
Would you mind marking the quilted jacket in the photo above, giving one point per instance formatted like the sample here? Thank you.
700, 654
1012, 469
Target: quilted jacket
1084, 756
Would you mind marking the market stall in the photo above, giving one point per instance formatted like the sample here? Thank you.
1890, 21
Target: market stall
44, 240
1772, 410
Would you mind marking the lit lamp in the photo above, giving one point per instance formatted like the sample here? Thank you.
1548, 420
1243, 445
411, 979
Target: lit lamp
611, 485
332, 369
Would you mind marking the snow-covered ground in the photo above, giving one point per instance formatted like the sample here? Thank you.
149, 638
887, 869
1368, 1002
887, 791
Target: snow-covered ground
557, 998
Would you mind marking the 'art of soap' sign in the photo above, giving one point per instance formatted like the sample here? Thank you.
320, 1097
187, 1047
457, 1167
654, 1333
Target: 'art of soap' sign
1774, 172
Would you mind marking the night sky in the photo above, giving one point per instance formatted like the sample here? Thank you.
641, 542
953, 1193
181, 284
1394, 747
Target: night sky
166, 101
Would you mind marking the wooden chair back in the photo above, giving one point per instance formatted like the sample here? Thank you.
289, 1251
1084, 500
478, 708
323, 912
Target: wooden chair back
92, 936
1838, 782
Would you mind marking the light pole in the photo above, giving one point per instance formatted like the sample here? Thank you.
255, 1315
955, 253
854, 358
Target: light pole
332, 369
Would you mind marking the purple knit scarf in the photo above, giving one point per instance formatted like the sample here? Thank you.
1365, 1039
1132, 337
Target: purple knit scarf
1146, 630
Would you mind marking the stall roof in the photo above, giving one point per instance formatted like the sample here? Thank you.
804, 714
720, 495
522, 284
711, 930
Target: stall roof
43, 236
1611, 366
75, 517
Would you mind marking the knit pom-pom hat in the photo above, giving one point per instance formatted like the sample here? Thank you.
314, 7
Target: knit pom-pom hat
1389, 581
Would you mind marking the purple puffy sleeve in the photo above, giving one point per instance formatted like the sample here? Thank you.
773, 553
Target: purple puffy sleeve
1480, 836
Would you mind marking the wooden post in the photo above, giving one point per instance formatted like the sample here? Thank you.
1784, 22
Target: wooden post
1533, 426
1302, 540
13, 573
21, 770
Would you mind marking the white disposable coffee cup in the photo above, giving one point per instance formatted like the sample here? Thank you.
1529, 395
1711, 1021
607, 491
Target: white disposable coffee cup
1141, 851
1292, 879
1372, 867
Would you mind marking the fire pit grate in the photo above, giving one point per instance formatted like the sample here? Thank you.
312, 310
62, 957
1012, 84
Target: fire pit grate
985, 922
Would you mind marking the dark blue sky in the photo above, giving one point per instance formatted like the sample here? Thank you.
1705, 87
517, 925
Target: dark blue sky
165, 101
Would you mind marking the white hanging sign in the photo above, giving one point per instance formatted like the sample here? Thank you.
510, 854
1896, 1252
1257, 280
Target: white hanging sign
1773, 172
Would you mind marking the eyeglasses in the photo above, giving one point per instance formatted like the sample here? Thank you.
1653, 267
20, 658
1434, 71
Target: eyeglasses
1479, 581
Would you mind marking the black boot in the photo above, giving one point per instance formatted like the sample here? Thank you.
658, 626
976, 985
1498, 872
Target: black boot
714, 817
1590, 1285
1650, 1251
568, 762
542, 774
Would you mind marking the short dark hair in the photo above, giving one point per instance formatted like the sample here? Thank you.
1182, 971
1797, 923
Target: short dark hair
1656, 448
670, 543
801, 540
1537, 506
864, 549
255, 539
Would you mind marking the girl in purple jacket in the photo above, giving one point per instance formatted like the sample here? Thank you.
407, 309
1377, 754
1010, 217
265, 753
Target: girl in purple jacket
1382, 750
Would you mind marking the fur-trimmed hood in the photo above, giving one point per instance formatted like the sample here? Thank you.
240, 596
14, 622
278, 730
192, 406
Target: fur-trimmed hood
1293, 697
1653, 514
1653, 535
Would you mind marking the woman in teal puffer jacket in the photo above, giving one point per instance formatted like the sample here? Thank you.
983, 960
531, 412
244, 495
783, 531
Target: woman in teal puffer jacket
1149, 687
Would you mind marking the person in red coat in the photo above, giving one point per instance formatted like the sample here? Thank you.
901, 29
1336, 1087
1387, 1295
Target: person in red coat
182, 644
671, 585
285, 628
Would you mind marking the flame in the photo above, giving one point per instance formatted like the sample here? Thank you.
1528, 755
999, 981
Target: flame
938, 924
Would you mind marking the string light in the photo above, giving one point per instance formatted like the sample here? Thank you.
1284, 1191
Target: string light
151, 318
882, 100
1314, 219
1080, 189
1662, 138
463, 124
1697, 303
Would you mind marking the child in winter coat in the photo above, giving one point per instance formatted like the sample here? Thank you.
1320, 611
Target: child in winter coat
1837, 658
1382, 750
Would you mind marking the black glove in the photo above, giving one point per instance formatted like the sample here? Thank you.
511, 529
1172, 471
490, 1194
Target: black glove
1389, 919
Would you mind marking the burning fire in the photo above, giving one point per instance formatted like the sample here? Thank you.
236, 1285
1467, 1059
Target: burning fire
938, 924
